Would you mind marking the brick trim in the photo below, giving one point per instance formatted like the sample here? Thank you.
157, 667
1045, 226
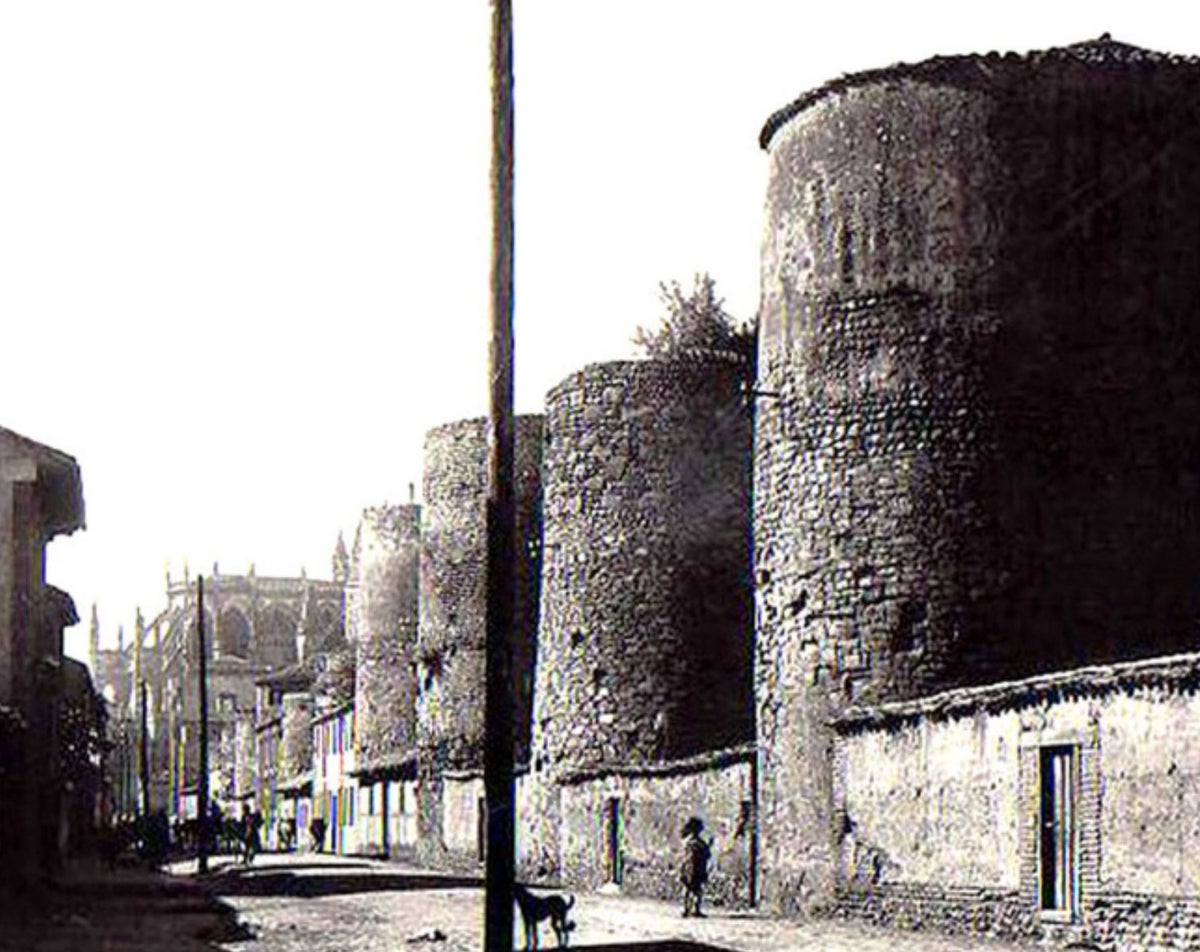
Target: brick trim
1087, 787
954, 910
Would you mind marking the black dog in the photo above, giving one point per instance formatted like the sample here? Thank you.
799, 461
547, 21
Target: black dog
536, 908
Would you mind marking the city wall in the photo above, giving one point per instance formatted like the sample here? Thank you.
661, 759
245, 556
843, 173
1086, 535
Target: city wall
386, 570
941, 805
644, 641
957, 444
642, 855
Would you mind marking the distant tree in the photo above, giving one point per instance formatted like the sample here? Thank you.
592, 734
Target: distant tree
697, 325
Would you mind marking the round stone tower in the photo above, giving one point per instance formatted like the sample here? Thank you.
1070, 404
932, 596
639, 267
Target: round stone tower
386, 570
453, 623
976, 450
644, 644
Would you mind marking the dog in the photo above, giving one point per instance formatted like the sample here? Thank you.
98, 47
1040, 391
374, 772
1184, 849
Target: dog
536, 908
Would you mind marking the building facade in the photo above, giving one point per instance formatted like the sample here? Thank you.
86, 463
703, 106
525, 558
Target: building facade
41, 497
334, 785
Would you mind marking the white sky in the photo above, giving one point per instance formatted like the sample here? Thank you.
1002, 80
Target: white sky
244, 246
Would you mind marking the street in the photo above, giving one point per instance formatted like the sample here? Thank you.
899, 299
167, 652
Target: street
322, 903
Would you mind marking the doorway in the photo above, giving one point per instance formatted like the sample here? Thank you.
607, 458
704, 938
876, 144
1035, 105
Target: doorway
613, 861
1058, 872
481, 828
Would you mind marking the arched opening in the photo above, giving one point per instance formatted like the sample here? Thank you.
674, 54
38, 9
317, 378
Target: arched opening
190, 632
233, 634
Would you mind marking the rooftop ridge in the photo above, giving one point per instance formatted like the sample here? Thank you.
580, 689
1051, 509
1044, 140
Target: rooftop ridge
1181, 669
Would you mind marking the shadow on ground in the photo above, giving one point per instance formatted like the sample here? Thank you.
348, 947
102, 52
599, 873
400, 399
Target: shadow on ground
285, 882
240, 867
661, 945
131, 913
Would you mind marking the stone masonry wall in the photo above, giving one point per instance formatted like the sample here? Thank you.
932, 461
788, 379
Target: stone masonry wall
387, 585
245, 778
452, 631
972, 268
652, 811
644, 642
451, 639
296, 753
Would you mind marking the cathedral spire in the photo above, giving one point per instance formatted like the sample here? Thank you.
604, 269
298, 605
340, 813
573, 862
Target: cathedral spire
139, 632
341, 561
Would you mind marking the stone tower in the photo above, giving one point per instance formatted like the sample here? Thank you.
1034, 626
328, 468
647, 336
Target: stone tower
975, 451
387, 572
452, 632
644, 645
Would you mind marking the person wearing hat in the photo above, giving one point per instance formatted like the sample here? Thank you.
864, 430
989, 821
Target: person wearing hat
693, 867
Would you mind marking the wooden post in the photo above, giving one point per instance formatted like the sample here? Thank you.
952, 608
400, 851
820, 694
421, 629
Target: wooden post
498, 723
144, 752
202, 812
385, 840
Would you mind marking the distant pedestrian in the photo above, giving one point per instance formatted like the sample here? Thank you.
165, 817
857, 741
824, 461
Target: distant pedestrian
158, 841
693, 866
316, 830
252, 823
214, 833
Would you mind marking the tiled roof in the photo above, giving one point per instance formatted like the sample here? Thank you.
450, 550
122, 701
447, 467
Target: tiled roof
976, 68
1177, 671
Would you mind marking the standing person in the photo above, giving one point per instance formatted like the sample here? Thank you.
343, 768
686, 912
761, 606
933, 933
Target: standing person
214, 835
693, 866
253, 835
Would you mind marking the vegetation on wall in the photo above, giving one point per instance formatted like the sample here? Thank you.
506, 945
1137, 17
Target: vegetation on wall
696, 324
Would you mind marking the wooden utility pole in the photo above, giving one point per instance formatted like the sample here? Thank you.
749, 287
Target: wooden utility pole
498, 710
145, 750
202, 812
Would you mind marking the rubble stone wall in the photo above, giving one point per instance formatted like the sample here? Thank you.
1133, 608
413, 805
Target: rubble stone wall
652, 810
387, 585
957, 445
452, 629
644, 643
296, 754
245, 778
